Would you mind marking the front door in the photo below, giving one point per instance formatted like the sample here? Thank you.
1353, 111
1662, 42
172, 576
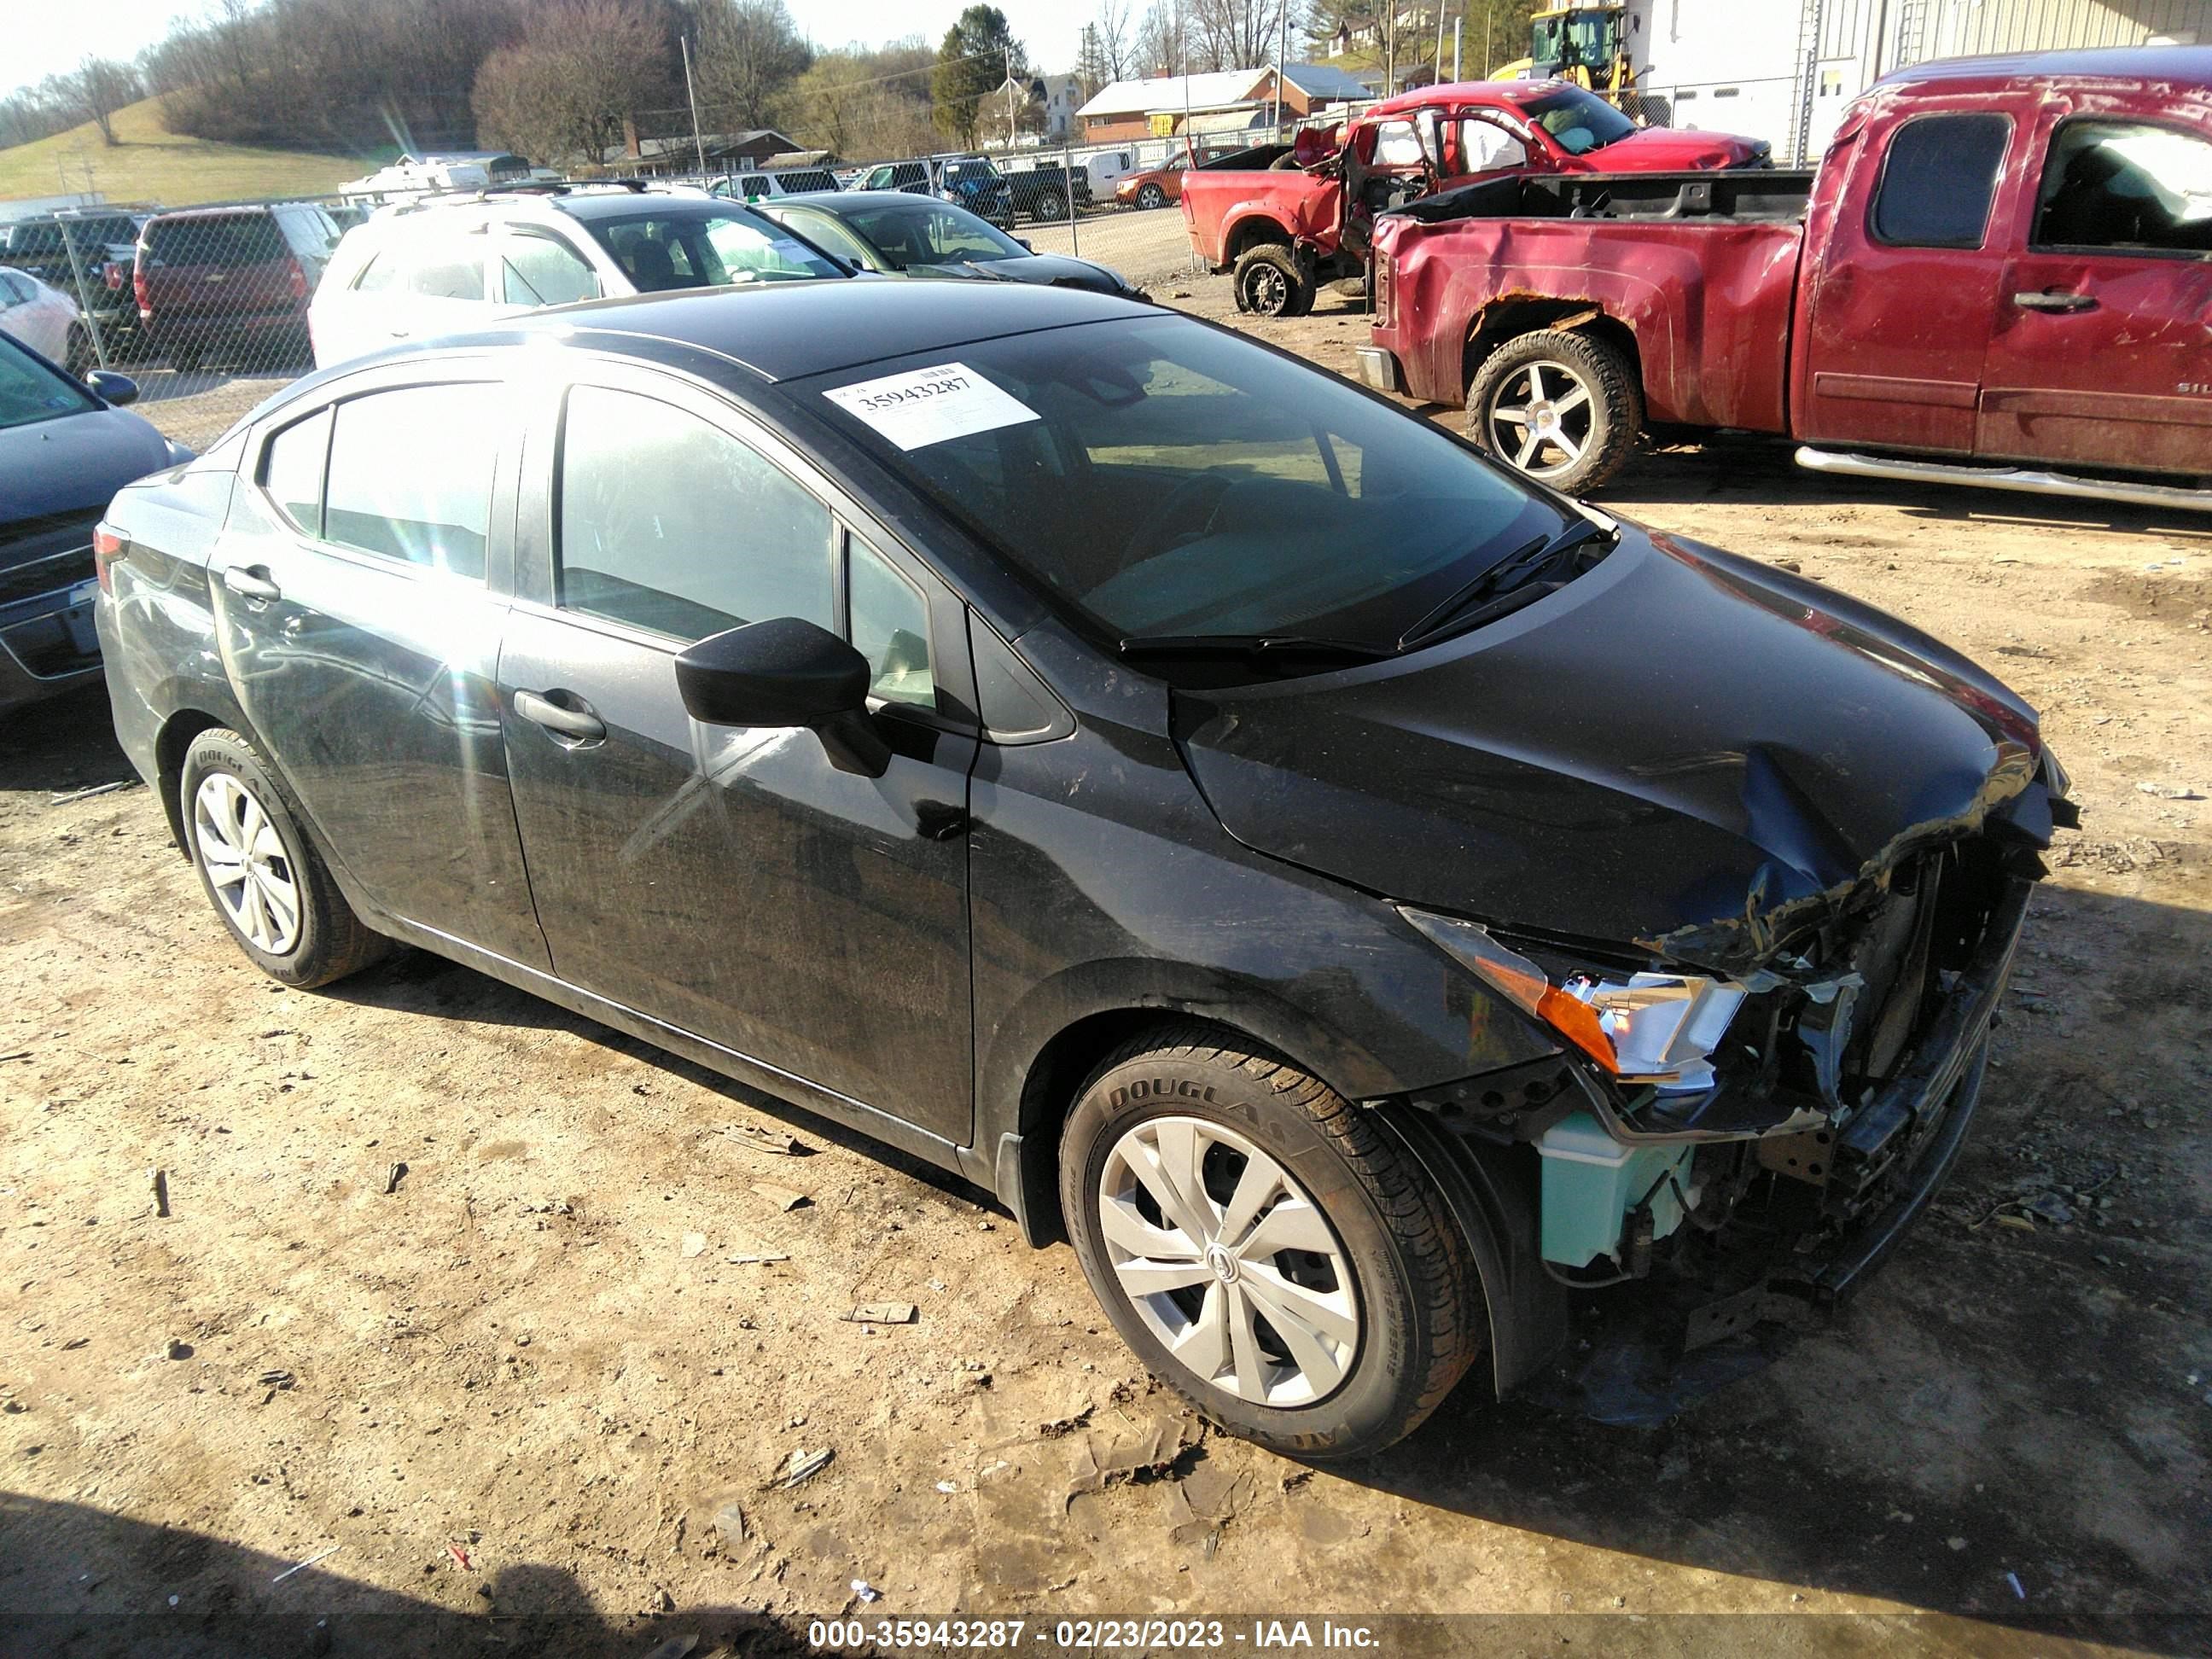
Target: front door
2102, 351
358, 627
1904, 294
732, 882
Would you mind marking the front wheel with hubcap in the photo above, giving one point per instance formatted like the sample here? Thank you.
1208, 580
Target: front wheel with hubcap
1264, 1247
265, 878
1151, 196
1561, 406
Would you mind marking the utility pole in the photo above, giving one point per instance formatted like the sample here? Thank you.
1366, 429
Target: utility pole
1009, 96
1458, 26
1282, 63
691, 94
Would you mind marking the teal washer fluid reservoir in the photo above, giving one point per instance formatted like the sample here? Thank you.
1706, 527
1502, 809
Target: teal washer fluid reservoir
1591, 1181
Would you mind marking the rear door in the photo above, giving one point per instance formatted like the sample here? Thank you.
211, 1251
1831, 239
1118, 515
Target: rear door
732, 882
2102, 354
1907, 288
359, 628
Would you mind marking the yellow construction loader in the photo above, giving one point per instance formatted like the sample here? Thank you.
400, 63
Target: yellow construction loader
1585, 44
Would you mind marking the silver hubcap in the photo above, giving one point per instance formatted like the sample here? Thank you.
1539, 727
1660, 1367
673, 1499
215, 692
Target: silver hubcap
1541, 418
1228, 1261
247, 864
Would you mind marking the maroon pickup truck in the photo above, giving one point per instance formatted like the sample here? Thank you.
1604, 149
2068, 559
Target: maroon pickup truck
2005, 263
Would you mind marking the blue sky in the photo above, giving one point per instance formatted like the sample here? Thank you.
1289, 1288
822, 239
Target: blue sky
43, 39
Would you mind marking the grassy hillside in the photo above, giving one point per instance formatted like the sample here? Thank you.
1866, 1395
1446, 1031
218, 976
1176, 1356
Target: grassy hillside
152, 164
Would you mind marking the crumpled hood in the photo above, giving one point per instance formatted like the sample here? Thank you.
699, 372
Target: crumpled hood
1681, 750
1674, 150
76, 462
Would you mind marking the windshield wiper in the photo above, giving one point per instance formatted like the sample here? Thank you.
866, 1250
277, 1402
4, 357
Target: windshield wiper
1249, 645
1498, 581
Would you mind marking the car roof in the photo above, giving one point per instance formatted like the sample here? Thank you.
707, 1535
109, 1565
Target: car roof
788, 330
2172, 66
1517, 92
834, 200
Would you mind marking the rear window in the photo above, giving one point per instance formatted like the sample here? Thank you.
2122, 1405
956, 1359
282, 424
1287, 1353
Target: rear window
1938, 178
245, 240
795, 183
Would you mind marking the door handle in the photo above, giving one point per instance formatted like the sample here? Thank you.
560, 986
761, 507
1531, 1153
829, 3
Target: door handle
252, 582
2054, 301
578, 725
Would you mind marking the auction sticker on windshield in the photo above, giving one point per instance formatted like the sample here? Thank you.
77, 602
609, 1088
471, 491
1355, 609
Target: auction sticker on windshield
926, 406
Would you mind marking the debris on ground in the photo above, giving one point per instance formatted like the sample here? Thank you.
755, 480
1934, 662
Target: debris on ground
300, 1566
96, 789
392, 1177
882, 1313
803, 1467
866, 1591
778, 1141
676, 1647
179, 1348
694, 1244
730, 1521
2170, 791
158, 1179
753, 1260
461, 1556
784, 1198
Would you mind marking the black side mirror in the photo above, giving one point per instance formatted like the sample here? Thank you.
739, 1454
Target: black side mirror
786, 672
112, 388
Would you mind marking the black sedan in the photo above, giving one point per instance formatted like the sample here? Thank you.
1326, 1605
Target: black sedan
66, 447
902, 236
1357, 897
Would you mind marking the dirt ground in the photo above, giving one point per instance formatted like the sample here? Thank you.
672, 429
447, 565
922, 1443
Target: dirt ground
547, 1374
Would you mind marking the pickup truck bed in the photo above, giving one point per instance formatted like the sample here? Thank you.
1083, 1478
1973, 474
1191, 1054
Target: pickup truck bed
1702, 266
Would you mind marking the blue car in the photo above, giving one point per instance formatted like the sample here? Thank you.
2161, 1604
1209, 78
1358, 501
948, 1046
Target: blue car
66, 447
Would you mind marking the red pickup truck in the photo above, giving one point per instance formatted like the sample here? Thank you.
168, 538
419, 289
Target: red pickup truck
1306, 219
2005, 263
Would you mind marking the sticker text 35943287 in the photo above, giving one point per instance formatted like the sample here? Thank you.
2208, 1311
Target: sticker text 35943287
925, 406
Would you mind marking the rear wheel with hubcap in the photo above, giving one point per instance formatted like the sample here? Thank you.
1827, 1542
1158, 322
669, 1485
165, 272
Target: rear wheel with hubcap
1151, 196
265, 878
1263, 1247
1561, 406
1269, 282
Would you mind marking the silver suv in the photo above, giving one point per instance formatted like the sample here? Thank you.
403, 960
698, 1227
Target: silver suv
446, 264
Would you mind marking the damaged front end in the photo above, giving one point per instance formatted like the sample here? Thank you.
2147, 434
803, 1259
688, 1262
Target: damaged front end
1775, 1129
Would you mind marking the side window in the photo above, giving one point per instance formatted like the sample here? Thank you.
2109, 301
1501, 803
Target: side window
381, 274
536, 271
1486, 147
756, 186
878, 179
912, 174
890, 626
670, 524
292, 470
825, 232
1937, 180
2125, 185
450, 268
410, 475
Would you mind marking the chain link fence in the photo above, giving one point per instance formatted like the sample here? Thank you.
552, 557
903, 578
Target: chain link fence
204, 308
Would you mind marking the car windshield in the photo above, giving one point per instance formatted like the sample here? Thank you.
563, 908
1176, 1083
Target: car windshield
919, 231
30, 392
705, 247
1161, 479
1579, 122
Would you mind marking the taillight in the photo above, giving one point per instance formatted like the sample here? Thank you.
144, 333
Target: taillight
106, 549
299, 278
113, 276
138, 287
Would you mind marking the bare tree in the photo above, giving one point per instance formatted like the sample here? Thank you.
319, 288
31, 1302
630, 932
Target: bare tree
750, 53
1161, 41
1112, 29
567, 88
1239, 33
99, 87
